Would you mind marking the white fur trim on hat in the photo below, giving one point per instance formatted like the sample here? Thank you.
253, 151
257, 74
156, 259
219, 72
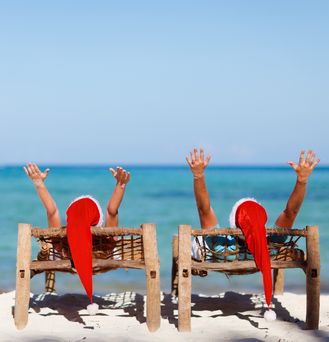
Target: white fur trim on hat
101, 217
235, 208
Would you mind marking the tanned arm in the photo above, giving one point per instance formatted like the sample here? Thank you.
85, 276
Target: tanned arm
37, 177
112, 213
198, 164
303, 169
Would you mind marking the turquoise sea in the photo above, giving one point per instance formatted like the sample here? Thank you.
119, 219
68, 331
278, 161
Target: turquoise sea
162, 195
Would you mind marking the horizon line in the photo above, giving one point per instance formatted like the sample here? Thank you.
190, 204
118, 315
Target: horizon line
149, 165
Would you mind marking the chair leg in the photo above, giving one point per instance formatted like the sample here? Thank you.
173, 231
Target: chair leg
184, 278
174, 267
50, 281
312, 278
152, 269
278, 279
22, 298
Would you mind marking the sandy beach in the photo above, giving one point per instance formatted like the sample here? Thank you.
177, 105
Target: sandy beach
228, 316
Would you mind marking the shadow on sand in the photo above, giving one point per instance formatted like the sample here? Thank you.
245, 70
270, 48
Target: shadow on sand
69, 305
244, 306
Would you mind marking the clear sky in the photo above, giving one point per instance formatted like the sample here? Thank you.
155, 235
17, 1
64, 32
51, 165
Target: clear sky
144, 81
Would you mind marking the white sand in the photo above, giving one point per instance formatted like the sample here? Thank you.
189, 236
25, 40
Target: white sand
226, 317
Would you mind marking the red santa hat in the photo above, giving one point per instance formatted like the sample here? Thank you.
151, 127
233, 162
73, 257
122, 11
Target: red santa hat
82, 213
248, 215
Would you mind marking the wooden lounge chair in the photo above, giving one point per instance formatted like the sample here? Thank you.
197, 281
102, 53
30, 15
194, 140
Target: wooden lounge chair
284, 255
135, 248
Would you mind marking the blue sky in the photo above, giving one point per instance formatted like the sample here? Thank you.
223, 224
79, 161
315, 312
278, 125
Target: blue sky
144, 81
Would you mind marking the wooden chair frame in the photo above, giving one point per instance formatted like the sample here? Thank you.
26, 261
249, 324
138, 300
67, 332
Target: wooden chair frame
183, 266
149, 262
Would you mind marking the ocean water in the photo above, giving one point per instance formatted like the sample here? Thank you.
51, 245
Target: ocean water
164, 196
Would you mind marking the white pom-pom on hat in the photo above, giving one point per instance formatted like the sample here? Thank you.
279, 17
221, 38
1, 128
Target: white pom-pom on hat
92, 309
270, 315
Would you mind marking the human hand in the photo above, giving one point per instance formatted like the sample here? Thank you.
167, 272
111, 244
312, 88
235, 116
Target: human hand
33, 172
121, 175
305, 165
197, 162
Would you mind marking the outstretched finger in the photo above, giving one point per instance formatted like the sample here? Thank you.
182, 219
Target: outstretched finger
46, 172
119, 173
188, 162
114, 173
192, 157
35, 168
308, 157
312, 158
30, 169
301, 157
208, 159
315, 163
196, 154
201, 154
26, 171
293, 165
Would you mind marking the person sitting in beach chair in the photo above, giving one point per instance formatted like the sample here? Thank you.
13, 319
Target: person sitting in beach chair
82, 213
84, 248
198, 163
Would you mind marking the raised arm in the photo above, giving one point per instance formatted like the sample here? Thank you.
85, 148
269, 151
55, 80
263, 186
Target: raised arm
303, 169
112, 215
197, 164
38, 178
